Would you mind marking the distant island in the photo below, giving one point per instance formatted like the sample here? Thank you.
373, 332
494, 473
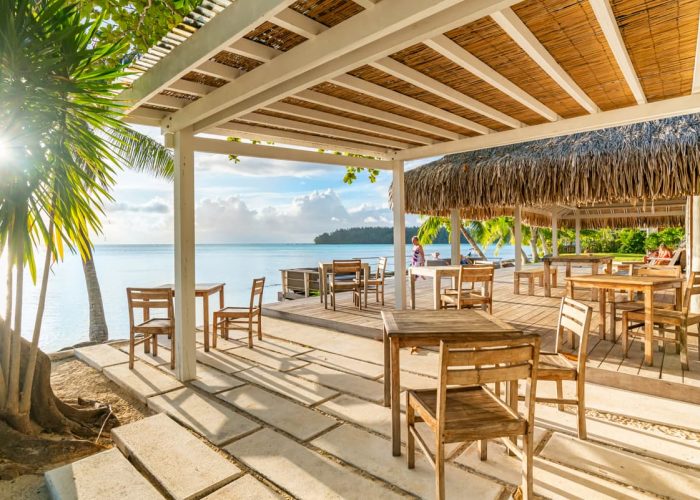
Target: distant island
371, 235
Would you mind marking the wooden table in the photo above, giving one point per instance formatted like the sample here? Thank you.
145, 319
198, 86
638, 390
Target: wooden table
325, 268
434, 272
205, 290
594, 260
648, 285
423, 329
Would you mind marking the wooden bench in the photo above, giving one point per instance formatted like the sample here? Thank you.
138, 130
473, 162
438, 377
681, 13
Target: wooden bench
531, 274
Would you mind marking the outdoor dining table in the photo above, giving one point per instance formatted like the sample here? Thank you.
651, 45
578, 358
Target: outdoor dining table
204, 290
648, 285
594, 260
423, 328
325, 268
434, 272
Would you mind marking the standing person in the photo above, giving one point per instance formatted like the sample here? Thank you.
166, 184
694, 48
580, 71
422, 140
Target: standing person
418, 258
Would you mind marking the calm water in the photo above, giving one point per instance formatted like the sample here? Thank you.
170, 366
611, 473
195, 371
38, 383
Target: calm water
120, 266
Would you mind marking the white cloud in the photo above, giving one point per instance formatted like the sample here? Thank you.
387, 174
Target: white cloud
154, 206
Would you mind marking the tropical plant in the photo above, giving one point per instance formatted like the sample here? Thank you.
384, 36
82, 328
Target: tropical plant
60, 123
497, 231
431, 226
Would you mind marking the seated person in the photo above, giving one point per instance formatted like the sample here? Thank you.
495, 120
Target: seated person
661, 256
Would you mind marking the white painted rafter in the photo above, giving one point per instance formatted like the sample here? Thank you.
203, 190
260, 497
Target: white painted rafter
606, 18
379, 92
295, 22
253, 50
414, 77
516, 29
461, 57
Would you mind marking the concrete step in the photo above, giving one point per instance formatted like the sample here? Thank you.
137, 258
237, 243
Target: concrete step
293, 387
342, 381
101, 355
222, 361
210, 379
269, 359
183, 465
143, 381
244, 488
344, 363
106, 475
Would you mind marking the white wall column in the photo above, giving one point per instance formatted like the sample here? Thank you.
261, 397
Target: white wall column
693, 243
518, 234
578, 233
555, 235
455, 237
398, 195
185, 318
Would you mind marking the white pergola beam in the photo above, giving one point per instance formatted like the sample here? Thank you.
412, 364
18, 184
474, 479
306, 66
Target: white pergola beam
471, 63
312, 128
606, 18
369, 112
390, 26
253, 50
168, 101
192, 88
232, 23
295, 22
145, 116
398, 197
622, 215
322, 116
414, 77
616, 117
218, 70
217, 146
516, 29
266, 134
379, 92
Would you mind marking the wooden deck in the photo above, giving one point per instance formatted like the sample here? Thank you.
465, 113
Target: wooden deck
536, 313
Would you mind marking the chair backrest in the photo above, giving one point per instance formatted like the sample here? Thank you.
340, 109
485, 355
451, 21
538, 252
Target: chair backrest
672, 261
692, 287
147, 299
489, 359
351, 266
256, 292
381, 268
655, 270
575, 317
475, 274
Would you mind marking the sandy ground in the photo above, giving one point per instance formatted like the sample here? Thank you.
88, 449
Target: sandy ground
71, 379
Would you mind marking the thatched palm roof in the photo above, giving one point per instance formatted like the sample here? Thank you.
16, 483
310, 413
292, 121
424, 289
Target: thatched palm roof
638, 164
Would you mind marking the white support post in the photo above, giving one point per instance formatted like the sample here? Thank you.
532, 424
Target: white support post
693, 245
399, 199
185, 318
518, 234
578, 233
455, 237
555, 234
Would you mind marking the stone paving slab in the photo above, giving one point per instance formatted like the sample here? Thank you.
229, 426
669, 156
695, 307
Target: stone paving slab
306, 335
222, 361
299, 421
280, 346
343, 363
303, 472
293, 387
105, 475
162, 358
372, 453
182, 464
648, 442
206, 416
270, 359
101, 355
645, 473
244, 488
551, 480
342, 381
211, 380
143, 381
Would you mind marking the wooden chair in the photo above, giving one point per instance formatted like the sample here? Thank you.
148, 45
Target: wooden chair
680, 320
344, 268
376, 282
247, 316
559, 366
464, 296
470, 411
147, 299
673, 260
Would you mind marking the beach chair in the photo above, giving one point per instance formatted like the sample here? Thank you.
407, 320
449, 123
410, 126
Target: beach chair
230, 317
340, 271
148, 299
465, 295
376, 282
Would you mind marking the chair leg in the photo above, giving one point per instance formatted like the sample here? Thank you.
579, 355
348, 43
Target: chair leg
683, 344
410, 438
131, 351
483, 449
581, 398
250, 332
527, 483
560, 394
624, 334
154, 340
172, 354
259, 325
439, 469
214, 330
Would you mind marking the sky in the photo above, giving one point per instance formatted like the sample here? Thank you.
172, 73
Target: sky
254, 201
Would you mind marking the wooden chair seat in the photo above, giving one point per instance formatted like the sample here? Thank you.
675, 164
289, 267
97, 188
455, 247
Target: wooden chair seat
472, 413
668, 316
467, 299
237, 312
156, 326
557, 366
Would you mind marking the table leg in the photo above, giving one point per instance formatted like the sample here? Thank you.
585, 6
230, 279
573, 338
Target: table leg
648, 325
205, 327
602, 307
387, 369
321, 285
594, 271
395, 396
366, 277
436, 290
567, 273
547, 280
412, 281
679, 298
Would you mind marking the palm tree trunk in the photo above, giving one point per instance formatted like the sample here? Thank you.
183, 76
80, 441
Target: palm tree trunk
472, 242
526, 259
533, 244
546, 247
98, 323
